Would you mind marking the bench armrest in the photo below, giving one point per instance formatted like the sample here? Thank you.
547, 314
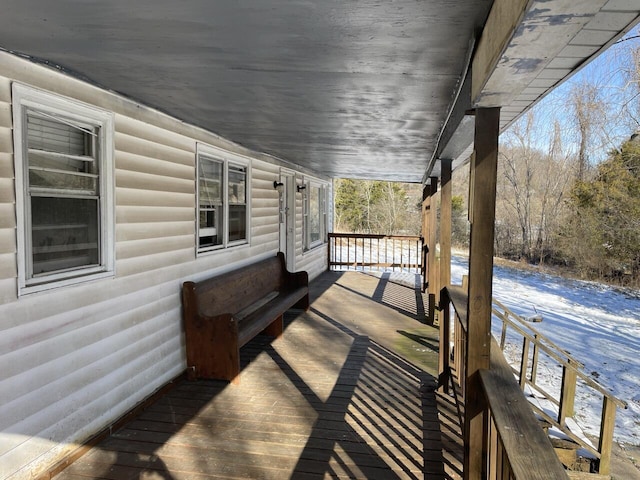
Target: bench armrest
210, 340
211, 345
297, 279
293, 279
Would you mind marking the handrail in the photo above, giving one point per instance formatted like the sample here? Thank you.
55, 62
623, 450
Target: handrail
572, 370
554, 351
516, 446
526, 451
372, 251
507, 314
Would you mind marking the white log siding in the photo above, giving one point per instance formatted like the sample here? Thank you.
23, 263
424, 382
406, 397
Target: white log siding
74, 359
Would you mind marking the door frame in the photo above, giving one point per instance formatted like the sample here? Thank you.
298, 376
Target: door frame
286, 217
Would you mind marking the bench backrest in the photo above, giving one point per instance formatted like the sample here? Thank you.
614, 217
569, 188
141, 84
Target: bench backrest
233, 291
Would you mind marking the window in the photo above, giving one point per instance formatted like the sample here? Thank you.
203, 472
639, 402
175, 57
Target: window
222, 199
314, 215
64, 190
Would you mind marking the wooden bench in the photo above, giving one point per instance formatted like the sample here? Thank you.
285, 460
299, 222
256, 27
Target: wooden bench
224, 312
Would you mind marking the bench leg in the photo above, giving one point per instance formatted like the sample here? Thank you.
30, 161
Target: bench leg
275, 328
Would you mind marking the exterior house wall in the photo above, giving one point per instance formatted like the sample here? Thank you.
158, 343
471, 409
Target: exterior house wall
74, 359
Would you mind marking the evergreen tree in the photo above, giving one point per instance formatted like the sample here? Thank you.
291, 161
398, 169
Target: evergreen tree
602, 238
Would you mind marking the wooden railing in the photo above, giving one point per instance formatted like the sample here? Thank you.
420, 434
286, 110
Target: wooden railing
375, 252
514, 444
536, 346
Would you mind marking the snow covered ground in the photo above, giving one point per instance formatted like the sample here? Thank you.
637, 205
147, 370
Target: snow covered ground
598, 325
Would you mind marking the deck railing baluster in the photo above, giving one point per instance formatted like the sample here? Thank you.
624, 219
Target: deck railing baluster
524, 363
534, 361
391, 252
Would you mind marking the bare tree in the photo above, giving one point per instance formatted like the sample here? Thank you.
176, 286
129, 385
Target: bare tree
533, 178
588, 114
518, 157
554, 177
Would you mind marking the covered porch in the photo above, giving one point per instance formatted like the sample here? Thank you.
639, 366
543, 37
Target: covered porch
349, 391
297, 94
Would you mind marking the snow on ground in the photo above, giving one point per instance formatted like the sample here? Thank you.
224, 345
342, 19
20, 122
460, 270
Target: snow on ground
598, 325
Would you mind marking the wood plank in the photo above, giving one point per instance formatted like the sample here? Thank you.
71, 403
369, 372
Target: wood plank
356, 409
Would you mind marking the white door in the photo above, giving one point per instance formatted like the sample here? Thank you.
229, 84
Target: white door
287, 218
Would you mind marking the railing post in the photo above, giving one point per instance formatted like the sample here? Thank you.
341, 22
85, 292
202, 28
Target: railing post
524, 363
503, 335
534, 361
568, 393
445, 338
607, 425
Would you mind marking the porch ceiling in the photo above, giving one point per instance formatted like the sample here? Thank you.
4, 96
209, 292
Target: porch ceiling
361, 89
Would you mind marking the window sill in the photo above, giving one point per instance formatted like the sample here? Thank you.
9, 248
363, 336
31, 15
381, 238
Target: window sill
44, 285
314, 247
220, 249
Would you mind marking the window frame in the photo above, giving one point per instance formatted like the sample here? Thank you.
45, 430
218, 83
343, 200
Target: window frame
27, 99
306, 214
227, 159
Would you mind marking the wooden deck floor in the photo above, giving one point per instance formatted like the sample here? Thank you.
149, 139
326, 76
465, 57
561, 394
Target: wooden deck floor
333, 398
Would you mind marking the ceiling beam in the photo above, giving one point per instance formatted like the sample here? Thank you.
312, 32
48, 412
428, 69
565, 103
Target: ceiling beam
504, 18
523, 37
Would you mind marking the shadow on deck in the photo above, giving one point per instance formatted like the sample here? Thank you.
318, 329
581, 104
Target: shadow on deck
347, 392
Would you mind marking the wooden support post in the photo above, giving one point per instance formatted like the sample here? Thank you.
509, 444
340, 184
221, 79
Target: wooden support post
503, 335
444, 369
432, 241
445, 272
445, 224
483, 178
424, 232
524, 363
607, 424
568, 393
534, 361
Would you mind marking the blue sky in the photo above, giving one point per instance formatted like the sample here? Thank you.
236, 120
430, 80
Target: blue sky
609, 74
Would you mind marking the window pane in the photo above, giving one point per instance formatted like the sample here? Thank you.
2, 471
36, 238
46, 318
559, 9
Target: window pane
57, 136
210, 182
237, 222
237, 185
39, 179
65, 233
314, 215
210, 227
60, 156
211, 216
